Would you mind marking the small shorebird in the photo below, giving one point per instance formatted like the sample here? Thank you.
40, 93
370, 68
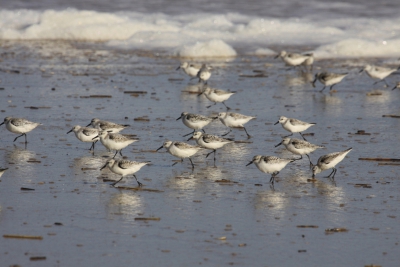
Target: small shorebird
195, 121
329, 161
86, 134
204, 73
210, 141
19, 126
124, 167
270, 164
190, 69
108, 126
115, 141
180, 150
294, 125
328, 79
234, 120
217, 96
299, 147
295, 59
379, 73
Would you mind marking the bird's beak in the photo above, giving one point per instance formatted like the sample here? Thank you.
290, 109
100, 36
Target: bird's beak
2, 123
179, 118
278, 144
105, 165
276, 56
95, 137
394, 88
178, 68
276, 123
69, 131
361, 71
249, 163
89, 124
190, 138
159, 148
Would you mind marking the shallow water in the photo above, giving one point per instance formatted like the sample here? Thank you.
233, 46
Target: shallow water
202, 222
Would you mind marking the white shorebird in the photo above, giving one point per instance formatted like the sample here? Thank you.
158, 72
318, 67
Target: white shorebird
379, 73
195, 121
190, 69
115, 141
309, 61
180, 150
124, 167
294, 125
210, 141
329, 161
108, 126
217, 96
234, 120
294, 59
86, 134
299, 147
19, 126
2, 171
270, 164
204, 73
328, 79
396, 86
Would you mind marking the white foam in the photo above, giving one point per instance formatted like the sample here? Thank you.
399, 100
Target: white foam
207, 35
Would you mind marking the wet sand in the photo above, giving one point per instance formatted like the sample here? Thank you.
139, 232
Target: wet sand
196, 218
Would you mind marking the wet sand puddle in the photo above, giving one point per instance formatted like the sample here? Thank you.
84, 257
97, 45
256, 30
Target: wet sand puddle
57, 207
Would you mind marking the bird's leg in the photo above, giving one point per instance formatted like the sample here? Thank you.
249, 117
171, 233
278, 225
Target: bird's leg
302, 136
212, 105
192, 163
323, 89
329, 176
139, 183
189, 133
310, 161
19, 137
333, 177
248, 136
331, 87
116, 152
230, 130
117, 181
226, 106
288, 135
210, 153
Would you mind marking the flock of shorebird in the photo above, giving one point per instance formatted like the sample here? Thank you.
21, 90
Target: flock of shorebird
108, 132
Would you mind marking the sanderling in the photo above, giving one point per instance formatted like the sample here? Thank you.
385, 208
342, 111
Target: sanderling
270, 164
299, 147
328, 79
397, 86
210, 141
329, 161
309, 61
293, 59
380, 73
124, 167
2, 171
108, 126
86, 134
217, 95
204, 73
234, 120
180, 150
190, 69
294, 125
19, 126
115, 141
195, 121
